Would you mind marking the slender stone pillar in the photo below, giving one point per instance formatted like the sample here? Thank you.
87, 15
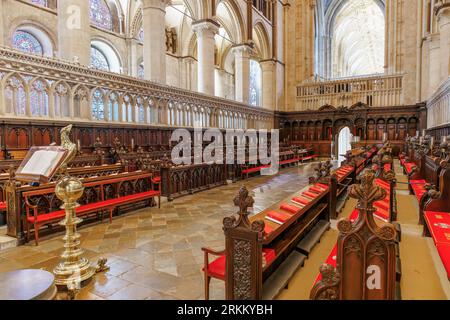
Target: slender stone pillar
434, 58
206, 30
242, 81
74, 36
268, 86
1, 24
443, 14
154, 15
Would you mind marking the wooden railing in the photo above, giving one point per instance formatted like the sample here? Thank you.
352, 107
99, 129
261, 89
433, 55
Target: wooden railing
39, 87
375, 91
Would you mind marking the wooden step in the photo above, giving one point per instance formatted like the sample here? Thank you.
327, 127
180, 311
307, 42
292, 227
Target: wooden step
308, 243
283, 274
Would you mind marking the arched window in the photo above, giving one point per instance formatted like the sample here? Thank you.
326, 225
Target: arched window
39, 98
98, 59
100, 14
255, 83
43, 3
15, 97
26, 42
98, 107
114, 107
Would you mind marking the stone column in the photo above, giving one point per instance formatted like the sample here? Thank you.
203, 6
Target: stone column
443, 14
1, 25
242, 76
205, 30
268, 85
434, 59
74, 36
154, 13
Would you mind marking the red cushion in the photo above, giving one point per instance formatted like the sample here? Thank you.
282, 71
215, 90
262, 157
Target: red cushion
156, 179
2, 206
382, 214
290, 208
419, 182
45, 217
409, 166
444, 253
439, 226
279, 216
309, 194
301, 201
268, 229
382, 204
316, 190
321, 185
217, 267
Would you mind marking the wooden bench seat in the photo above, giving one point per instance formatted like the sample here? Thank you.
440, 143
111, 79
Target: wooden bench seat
36, 217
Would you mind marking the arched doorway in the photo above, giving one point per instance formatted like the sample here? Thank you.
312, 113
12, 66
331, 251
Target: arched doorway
344, 143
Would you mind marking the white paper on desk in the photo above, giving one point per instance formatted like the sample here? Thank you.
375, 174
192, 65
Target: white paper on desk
41, 162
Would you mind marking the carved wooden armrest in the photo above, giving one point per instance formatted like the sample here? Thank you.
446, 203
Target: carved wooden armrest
207, 252
28, 204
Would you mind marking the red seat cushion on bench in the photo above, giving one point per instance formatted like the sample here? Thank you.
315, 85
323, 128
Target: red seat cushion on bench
444, 253
2, 206
44, 217
439, 226
217, 267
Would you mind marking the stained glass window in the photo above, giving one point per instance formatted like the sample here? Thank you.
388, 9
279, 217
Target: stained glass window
39, 99
26, 42
98, 108
98, 60
43, 3
141, 110
100, 14
255, 83
15, 96
141, 70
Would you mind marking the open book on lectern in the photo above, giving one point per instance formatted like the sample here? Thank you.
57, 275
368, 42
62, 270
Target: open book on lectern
41, 164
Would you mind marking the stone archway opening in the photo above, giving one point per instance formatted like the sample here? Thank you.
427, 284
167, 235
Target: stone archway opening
344, 143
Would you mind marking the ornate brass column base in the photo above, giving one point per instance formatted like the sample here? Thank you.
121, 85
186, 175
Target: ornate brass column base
66, 274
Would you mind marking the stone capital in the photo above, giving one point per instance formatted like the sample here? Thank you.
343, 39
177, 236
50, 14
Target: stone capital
242, 50
155, 4
203, 27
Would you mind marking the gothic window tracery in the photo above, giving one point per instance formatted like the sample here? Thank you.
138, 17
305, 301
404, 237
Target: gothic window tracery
100, 14
26, 42
98, 60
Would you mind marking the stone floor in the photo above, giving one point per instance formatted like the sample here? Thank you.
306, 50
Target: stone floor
156, 253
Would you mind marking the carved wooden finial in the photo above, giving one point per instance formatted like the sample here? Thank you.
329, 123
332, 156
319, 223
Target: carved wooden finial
243, 201
367, 193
